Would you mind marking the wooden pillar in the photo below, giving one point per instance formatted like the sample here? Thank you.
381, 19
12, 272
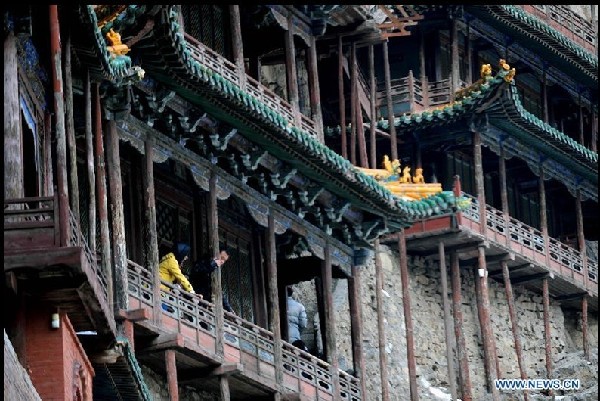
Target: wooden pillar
48, 172
447, 322
274, 299
332, 355
512, 312
469, 54
360, 132
547, 333
545, 116
224, 388
59, 112
342, 101
410, 342
544, 214
594, 145
171, 365
213, 240
479, 188
356, 323
70, 131
118, 219
584, 328
461, 347
581, 238
411, 91
13, 163
237, 45
315, 90
383, 365
390, 105
353, 103
504, 193
291, 71
483, 309
151, 240
102, 197
422, 67
455, 77
373, 83
581, 130
89, 147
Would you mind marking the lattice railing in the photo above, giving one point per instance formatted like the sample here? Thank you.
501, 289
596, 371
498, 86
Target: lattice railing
241, 334
531, 238
560, 16
220, 65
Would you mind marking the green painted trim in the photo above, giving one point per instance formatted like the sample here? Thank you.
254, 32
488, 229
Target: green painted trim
136, 369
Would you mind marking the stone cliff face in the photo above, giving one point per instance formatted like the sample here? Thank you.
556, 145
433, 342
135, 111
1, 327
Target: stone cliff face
430, 347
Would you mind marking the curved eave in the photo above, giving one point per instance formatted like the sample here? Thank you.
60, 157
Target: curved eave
510, 115
166, 58
571, 57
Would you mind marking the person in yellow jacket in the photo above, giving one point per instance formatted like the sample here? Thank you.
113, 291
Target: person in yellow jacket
170, 267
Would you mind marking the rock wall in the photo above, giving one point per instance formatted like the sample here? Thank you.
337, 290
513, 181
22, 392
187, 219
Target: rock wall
159, 388
17, 384
428, 322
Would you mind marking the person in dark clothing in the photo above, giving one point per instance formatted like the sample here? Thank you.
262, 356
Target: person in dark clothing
201, 277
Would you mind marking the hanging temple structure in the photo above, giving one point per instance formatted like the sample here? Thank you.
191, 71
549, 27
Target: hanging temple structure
302, 138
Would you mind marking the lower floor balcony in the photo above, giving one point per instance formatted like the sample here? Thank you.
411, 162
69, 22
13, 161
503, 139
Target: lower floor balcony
530, 255
188, 325
47, 255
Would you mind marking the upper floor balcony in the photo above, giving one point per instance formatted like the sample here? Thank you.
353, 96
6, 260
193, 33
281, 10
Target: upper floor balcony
48, 253
529, 254
188, 325
566, 21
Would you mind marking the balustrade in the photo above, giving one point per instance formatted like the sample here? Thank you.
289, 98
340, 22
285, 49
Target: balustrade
531, 238
562, 18
195, 318
220, 65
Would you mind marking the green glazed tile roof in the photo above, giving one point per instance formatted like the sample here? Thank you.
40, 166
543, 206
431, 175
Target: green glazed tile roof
507, 112
366, 188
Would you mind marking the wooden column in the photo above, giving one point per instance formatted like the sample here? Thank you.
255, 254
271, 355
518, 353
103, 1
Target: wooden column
581, 130
373, 83
274, 299
581, 238
171, 365
594, 145
383, 365
70, 131
447, 322
237, 45
332, 355
390, 105
13, 163
291, 71
455, 77
315, 90
469, 54
479, 188
356, 322
118, 219
59, 112
410, 342
545, 116
461, 347
483, 309
512, 312
422, 68
353, 102
48, 172
543, 214
547, 333
584, 328
102, 197
151, 239
91, 173
213, 240
342, 101
360, 132
504, 193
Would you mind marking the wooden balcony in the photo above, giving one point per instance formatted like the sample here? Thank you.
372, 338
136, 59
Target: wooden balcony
50, 257
187, 324
528, 255
226, 69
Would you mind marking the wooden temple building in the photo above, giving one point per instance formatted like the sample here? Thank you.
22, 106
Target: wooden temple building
129, 128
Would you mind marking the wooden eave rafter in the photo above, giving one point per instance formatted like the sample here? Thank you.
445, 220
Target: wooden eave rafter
397, 25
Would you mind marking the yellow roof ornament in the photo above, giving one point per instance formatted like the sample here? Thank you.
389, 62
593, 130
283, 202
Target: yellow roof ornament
117, 48
400, 182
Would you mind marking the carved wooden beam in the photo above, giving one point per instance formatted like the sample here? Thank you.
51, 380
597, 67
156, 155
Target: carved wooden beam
252, 160
308, 197
220, 141
280, 178
336, 212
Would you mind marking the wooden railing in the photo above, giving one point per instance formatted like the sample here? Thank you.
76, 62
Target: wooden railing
531, 238
568, 22
220, 65
246, 343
